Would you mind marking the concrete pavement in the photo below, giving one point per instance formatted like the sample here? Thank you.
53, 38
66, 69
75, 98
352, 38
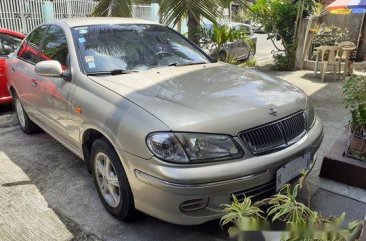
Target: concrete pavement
264, 48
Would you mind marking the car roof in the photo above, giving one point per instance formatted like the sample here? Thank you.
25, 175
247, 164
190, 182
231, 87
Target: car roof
76, 22
12, 33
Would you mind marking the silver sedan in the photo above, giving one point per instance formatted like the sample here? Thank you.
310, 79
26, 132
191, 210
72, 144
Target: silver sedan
162, 127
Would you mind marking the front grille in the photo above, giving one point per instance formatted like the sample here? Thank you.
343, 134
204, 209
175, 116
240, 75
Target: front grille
275, 135
256, 193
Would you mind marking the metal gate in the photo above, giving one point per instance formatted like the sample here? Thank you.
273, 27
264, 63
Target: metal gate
24, 15
20, 15
73, 8
142, 11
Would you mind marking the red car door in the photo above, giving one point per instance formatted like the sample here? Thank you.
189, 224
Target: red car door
9, 41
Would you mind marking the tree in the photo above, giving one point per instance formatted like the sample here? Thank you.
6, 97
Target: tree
173, 11
218, 36
113, 8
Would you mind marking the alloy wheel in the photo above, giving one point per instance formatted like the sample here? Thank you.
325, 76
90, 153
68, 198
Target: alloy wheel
20, 112
107, 179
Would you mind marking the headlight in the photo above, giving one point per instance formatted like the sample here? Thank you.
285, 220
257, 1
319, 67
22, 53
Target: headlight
192, 147
310, 115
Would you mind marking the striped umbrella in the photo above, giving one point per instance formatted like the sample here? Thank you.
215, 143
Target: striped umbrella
347, 6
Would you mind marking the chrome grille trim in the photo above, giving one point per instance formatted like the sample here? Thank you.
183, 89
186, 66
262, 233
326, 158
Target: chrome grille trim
275, 135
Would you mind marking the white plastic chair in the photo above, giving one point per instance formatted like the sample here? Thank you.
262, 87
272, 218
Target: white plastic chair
331, 59
346, 48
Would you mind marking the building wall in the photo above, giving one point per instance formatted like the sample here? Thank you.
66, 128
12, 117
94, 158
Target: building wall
353, 22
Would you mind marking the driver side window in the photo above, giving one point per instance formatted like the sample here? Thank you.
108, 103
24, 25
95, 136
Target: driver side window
55, 46
29, 51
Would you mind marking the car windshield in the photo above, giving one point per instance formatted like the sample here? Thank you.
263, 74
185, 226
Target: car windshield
133, 47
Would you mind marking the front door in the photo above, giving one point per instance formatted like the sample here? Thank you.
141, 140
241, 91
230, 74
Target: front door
55, 99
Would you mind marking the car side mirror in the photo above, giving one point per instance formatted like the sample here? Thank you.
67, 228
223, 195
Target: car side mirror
49, 68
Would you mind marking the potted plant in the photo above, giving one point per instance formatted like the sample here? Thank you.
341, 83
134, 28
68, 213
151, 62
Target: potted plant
355, 101
300, 221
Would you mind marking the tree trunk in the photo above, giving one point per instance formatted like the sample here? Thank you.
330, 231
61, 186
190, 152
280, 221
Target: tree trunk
193, 24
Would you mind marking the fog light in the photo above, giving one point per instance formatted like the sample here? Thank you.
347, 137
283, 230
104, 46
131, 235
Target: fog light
193, 205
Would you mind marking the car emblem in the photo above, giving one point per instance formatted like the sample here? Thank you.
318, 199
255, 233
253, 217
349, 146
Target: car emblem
273, 112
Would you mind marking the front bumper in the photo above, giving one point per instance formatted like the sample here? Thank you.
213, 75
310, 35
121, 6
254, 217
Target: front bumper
190, 195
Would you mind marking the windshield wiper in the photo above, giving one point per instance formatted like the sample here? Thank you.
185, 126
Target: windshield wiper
113, 72
186, 64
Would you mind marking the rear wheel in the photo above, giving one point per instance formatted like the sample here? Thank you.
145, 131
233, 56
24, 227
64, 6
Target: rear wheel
111, 181
222, 56
27, 125
251, 53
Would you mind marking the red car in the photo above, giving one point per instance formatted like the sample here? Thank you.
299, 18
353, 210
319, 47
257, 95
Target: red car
9, 41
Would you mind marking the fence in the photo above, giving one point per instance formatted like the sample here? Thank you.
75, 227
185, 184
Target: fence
73, 8
24, 15
20, 15
142, 11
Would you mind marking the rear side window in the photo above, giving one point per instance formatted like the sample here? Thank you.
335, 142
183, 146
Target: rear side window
29, 51
8, 44
54, 46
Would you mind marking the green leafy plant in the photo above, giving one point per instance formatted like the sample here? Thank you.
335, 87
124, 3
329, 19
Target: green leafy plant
303, 223
249, 63
171, 11
330, 35
278, 18
355, 100
284, 60
218, 36
245, 216
284, 207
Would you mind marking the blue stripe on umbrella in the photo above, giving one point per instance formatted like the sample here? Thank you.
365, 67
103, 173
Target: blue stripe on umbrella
357, 4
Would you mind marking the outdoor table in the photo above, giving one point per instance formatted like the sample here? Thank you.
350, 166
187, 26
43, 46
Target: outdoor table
345, 49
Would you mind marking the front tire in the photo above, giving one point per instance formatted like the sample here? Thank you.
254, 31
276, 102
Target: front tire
27, 125
111, 181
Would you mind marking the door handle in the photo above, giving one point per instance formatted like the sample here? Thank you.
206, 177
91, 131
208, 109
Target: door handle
34, 83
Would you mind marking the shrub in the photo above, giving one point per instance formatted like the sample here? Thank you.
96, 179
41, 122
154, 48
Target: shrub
284, 60
355, 100
249, 63
303, 224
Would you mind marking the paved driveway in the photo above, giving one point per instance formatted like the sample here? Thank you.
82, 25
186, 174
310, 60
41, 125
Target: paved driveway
59, 177
55, 184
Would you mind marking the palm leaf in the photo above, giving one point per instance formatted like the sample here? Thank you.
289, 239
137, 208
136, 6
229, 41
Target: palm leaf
113, 8
173, 11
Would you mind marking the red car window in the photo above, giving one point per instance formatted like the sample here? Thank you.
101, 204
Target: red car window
8, 44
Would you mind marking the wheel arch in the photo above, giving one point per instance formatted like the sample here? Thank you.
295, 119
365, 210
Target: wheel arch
12, 91
88, 137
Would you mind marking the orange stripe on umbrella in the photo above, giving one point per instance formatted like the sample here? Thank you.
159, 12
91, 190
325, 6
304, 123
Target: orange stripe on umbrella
338, 4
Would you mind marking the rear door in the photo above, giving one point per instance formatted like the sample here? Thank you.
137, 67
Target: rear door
22, 69
243, 48
7, 45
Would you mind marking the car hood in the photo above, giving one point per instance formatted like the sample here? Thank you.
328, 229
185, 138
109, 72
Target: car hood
212, 98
